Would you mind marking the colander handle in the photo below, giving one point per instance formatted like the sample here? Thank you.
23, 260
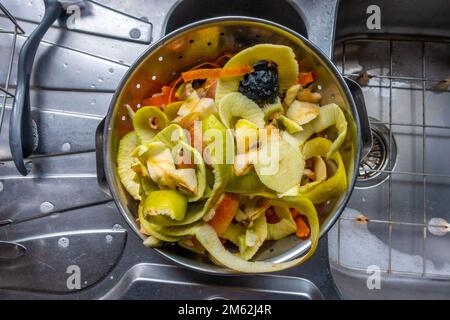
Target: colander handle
99, 160
366, 132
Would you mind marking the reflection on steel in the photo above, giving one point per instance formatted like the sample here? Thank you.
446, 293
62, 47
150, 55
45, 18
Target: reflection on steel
414, 129
75, 75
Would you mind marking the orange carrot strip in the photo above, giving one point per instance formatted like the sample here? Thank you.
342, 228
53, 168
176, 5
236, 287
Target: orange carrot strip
215, 73
294, 213
234, 72
225, 213
305, 78
200, 74
158, 100
174, 83
302, 229
165, 90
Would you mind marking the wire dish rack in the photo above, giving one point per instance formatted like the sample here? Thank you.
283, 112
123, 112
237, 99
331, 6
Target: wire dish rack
399, 211
14, 30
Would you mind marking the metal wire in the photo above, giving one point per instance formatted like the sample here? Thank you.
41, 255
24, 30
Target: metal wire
424, 177
17, 27
7, 95
389, 170
390, 166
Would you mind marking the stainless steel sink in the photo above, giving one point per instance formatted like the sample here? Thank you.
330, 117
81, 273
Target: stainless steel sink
283, 12
159, 281
396, 220
62, 218
57, 220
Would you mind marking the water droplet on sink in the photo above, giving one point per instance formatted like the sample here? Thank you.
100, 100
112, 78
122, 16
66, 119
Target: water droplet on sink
117, 227
93, 102
92, 86
109, 238
65, 64
1, 186
111, 70
63, 242
135, 33
46, 207
438, 226
66, 147
100, 79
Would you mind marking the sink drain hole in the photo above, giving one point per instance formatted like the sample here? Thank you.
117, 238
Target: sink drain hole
382, 157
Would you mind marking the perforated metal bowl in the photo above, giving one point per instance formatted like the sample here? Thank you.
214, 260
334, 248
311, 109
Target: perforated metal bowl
205, 41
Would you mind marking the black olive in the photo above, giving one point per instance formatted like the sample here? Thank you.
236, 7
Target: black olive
261, 85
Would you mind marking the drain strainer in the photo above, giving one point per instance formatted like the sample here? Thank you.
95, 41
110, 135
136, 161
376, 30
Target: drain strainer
382, 157
375, 160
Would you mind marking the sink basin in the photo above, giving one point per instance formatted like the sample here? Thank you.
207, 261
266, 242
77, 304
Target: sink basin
395, 224
175, 283
283, 12
392, 223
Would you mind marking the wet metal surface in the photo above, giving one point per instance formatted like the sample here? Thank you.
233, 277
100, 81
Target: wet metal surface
62, 233
407, 208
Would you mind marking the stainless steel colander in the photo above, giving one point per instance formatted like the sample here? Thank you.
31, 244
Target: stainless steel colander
205, 41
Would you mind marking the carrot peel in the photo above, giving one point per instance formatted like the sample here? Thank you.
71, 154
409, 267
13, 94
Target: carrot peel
215, 73
305, 78
160, 99
225, 213
302, 229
